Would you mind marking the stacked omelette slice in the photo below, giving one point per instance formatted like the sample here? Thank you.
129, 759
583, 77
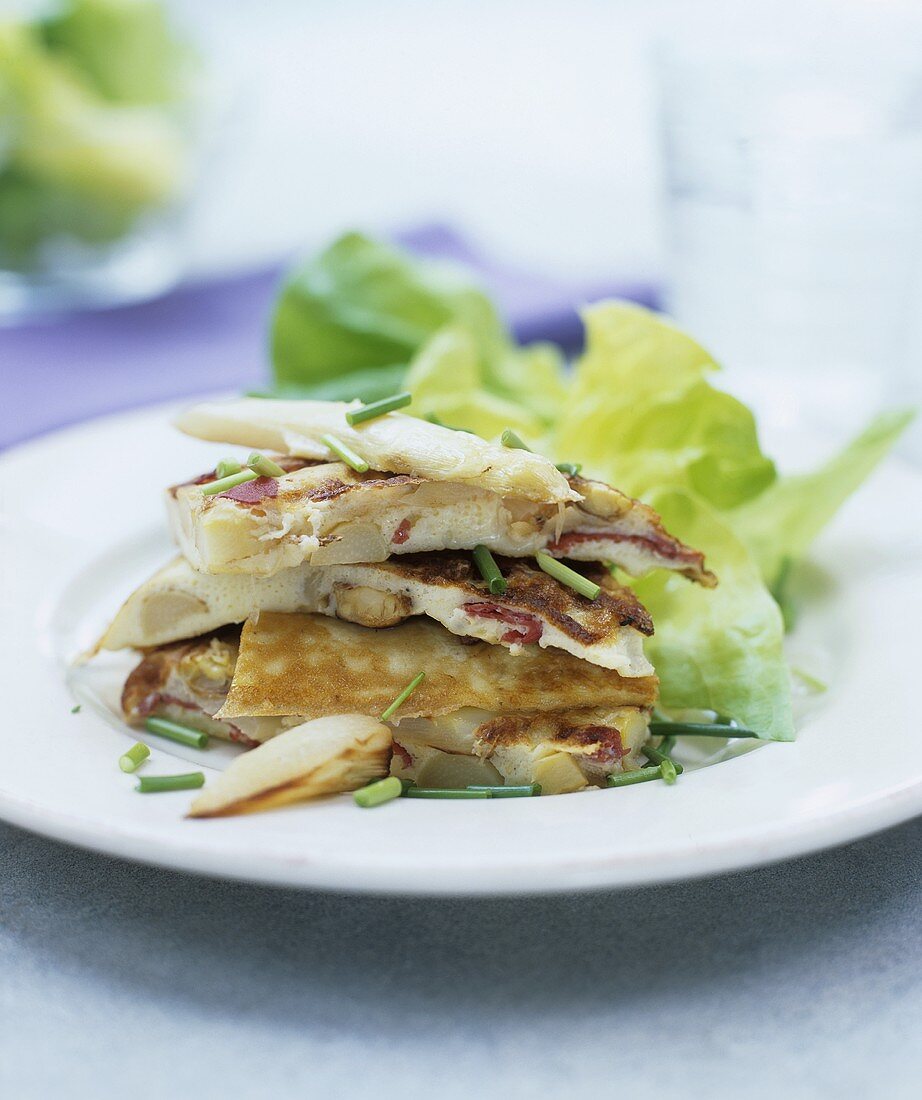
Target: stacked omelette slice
326, 589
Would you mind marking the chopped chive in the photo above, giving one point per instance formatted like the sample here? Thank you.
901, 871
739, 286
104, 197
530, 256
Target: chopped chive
627, 779
510, 439
263, 466
345, 453
700, 729
384, 790
567, 576
134, 757
226, 467
666, 745
669, 770
525, 790
489, 570
446, 792
225, 483
379, 408
406, 784
151, 784
75, 709
173, 731
440, 423
571, 469
403, 696
657, 756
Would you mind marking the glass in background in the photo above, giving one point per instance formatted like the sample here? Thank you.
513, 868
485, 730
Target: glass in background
793, 172
100, 107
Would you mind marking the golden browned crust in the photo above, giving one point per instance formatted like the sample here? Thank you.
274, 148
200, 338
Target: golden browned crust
147, 681
311, 666
531, 590
591, 729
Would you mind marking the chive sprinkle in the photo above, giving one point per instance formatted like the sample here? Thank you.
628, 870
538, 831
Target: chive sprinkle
669, 770
657, 756
627, 779
440, 423
700, 729
75, 709
130, 761
173, 731
403, 696
666, 745
510, 439
152, 784
376, 793
489, 570
345, 453
225, 483
379, 408
525, 790
447, 792
570, 469
226, 467
567, 576
263, 466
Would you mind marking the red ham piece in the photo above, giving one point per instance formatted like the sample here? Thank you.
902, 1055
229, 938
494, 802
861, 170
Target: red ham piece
400, 751
252, 492
402, 533
663, 547
527, 629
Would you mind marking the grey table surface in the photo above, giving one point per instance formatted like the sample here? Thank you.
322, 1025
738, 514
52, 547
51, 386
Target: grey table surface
798, 980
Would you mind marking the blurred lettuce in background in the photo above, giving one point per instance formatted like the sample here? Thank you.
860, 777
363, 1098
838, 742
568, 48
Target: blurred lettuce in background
92, 133
363, 319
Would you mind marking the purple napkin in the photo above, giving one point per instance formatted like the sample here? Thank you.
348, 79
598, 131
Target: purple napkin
213, 337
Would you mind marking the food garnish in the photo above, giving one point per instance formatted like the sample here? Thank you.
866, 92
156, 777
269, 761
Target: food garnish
173, 731
264, 466
383, 790
345, 453
489, 570
567, 576
226, 467
378, 408
228, 482
403, 696
132, 759
154, 784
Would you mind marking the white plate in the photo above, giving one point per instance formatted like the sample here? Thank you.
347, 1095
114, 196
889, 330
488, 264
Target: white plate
80, 523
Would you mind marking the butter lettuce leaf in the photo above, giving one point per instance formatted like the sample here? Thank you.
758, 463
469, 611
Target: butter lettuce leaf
450, 379
642, 413
640, 410
781, 524
361, 304
717, 649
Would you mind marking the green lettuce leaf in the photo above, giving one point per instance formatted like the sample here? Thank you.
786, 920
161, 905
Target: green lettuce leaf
361, 305
639, 410
518, 389
781, 523
642, 414
717, 649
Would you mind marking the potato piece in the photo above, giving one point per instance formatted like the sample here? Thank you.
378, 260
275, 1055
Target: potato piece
358, 603
446, 769
325, 756
559, 774
453, 732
